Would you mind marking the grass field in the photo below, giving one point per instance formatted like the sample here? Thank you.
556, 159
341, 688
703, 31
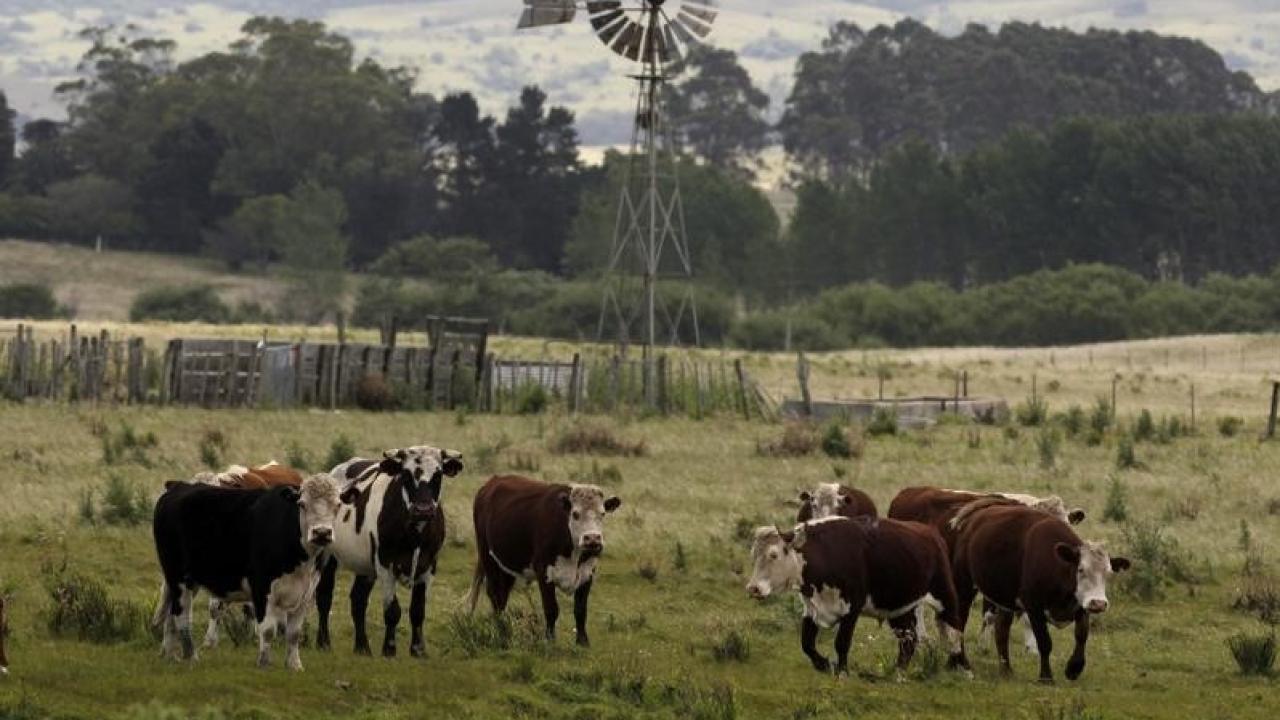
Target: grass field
670, 597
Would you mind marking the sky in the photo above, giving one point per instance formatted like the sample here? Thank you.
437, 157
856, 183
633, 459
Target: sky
473, 44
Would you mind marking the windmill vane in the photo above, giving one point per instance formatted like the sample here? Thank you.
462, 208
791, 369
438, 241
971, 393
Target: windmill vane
648, 31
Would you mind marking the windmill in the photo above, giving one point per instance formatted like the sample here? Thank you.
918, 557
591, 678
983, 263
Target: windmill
649, 224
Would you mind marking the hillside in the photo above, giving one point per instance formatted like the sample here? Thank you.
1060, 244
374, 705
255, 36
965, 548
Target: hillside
101, 286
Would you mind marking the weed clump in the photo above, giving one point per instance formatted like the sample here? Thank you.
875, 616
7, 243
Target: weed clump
1126, 456
1230, 425
1255, 654
213, 447
298, 457
81, 608
123, 503
1047, 443
798, 439
1158, 560
127, 446
373, 393
1032, 412
587, 439
531, 399
840, 443
1116, 508
884, 421
341, 450
732, 647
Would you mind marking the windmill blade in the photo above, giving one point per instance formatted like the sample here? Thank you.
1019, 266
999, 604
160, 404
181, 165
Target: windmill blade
600, 22
596, 7
654, 46
539, 13
681, 32
692, 24
607, 34
670, 49
628, 43
705, 15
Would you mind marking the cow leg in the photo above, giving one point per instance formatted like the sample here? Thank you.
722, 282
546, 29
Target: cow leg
324, 601
168, 625
809, 645
580, 598
905, 630
1075, 665
216, 609
293, 637
360, 590
1000, 632
418, 613
1040, 626
390, 612
186, 599
844, 640
1028, 637
550, 607
498, 586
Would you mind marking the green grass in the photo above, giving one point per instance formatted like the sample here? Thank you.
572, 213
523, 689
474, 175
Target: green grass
656, 639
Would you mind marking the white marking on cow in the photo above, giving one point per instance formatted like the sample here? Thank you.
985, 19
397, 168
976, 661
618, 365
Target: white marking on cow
525, 575
568, 574
1091, 577
826, 500
776, 565
869, 608
826, 606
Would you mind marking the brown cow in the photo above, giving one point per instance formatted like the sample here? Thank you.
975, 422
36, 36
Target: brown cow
1023, 560
833, 499
536, 531
273, 474
846, 567
4, 633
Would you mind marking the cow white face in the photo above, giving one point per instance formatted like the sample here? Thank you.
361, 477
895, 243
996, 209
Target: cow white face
317, 509
586, 506
421, 469
776, 561
827, 500
1093, 567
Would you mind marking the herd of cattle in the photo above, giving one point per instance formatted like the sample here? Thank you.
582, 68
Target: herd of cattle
269, 537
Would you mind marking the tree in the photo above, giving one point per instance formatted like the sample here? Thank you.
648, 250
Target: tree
46, 159
717, 110
89, 207
8, 140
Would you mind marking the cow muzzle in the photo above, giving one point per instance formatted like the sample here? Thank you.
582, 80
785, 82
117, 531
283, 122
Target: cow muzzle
759, 591
321, 536
1096, 605
591, 545
422, 511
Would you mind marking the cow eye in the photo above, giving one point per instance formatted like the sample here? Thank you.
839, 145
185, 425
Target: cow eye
576, 515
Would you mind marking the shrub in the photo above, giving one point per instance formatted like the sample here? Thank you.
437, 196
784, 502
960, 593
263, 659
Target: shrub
199, 303
648, 570
213, 444
1032, 412
82, 608
1047, 443
1157, 559
1254, 654
1230, 425
1259, 596
591, 439
127, 445
297, 457
1101, 416
124, 503
1144, 430
1072, 421
374, 394
1126, 457
733, 646
340, 451
531, 399
798, 439
1117, 505
840, 443
884, 421
29, 301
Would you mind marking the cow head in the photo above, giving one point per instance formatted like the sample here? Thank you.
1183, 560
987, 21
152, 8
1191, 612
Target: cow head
318, 502
4, 632
1092, 566
826, 501
421, 470
586, 507
776, 561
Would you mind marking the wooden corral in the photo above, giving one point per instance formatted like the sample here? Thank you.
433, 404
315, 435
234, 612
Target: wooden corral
910, 412
73, 367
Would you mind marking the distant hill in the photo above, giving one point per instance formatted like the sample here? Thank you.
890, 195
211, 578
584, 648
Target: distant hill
869, 90
102, 286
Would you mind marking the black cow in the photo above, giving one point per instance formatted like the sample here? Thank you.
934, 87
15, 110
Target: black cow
255, 545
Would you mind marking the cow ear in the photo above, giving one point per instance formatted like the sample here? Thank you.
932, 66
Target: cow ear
389, 466
612, 504
1120, 564
1067, 553
566, 502
1075, 517
290, 493
805, 496
452, 466
797, 538
846, 499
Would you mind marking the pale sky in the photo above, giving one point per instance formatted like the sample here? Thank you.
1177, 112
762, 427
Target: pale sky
473, 45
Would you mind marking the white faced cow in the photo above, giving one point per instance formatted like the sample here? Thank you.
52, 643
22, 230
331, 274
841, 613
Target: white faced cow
389, 532
256, 545
548, 534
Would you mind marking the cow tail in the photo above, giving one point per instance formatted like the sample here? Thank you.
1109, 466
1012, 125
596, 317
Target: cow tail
473, 596
157, 617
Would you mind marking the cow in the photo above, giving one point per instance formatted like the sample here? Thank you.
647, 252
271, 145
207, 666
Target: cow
390, 531
938, 507
847, 567
4, 633
834, 499
1026, 561
546, 533
240, 477
257, 545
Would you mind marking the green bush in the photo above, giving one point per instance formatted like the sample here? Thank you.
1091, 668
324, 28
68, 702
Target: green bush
1230, 426
1116, 508
82, 608
837, 442
198, 303
733, 646
1047, 443
884, 421
341, 450
1032, 412
31, 301
531, 399
1158, 560
1126, 456
1254, 654
1144, 430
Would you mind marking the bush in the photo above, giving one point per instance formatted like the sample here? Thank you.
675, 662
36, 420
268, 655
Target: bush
199, 303
213, 446
124, 503
1047, 443
1230, 426
591, 439
840, 443
1254, 654
531, 399
1158, 560
1126, 457
1117, 506
1144, 430
1032, 412
1259, 596
798, 439
297, 457
81, 608
1072, 421
884, 421
373, 393
733, 646
341, 450
31, 301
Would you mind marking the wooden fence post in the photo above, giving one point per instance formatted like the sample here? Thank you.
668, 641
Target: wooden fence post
964, 380
575, 377
1193, 407
802, 374
662, 384
742, 388
1271, 418
1115, 380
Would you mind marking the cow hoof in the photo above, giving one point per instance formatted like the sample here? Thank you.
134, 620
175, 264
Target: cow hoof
296, 666
388, 651
583, 641
417, 651
363, 649
958, 662
1074, 669
841, 671
821, 664
1046, 680
263, 662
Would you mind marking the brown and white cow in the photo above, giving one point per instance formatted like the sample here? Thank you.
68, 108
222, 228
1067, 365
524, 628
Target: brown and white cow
540, 532
847, 567
834, 499
4, 633
1024, 560
273, 474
